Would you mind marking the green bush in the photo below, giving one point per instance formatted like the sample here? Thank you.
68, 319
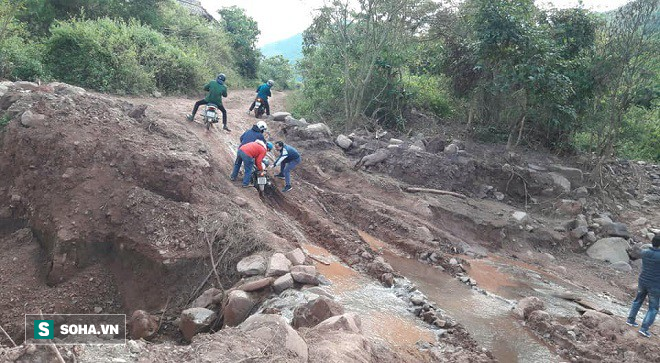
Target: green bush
114, 56
20, 59
429, 92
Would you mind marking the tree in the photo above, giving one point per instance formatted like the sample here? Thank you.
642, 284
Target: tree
243, 32
357, 55
278, 69
624, 69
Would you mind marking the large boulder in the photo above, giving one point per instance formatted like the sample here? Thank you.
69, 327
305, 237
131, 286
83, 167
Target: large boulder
560, 182
280, 116
142, 325
206, 298
528, 305
316, 311
196, 320
238, 307
275, 328
256, 284
377, 157
616, 230
344, 141
574, 175
252, 265
297, 257
613, 249
278, 265
304, 274
282, 283
349, 322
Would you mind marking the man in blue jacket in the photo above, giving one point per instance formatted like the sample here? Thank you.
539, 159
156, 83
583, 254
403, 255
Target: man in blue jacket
648, 284
289, 158
253, 134
263, 92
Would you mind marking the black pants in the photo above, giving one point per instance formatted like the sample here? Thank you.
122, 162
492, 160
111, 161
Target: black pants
265, 102
220, 107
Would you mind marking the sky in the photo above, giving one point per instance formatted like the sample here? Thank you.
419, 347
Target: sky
281, 19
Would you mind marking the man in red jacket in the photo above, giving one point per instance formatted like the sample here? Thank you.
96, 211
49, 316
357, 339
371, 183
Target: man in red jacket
252, 153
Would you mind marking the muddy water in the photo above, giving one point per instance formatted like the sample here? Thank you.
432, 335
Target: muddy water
384, 316
487, 318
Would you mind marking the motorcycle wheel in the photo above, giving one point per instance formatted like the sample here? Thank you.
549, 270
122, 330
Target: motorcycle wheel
207, 123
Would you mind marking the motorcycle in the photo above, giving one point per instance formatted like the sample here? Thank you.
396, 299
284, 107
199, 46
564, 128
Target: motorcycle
262, 182
259, 107
210, 115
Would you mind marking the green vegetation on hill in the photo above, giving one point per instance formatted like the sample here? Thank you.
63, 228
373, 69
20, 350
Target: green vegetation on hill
506, 71
123, 47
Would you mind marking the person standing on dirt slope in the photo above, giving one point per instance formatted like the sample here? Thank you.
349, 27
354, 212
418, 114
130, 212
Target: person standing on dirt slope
263, 92
648, 284
216, 90
251, 154
255, 133
289, 158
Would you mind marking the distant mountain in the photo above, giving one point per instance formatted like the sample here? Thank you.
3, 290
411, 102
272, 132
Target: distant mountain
290, 48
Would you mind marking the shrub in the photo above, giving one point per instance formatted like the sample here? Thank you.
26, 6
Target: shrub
20, 59
428, 92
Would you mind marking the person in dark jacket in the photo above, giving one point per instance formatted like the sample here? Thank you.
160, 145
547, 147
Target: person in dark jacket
647, 285
251, 135
289, 158
216, 90
263, 92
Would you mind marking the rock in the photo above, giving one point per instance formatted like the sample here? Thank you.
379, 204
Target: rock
640, 221
581, 192
290, 121
142, 325
499, 196
379, 266
605, 324
135, 346
519, 216
297, 257
572, 174
591, 237
319, 128
387, 279
436, 145
451, 149
282, 283
280, 116
611, 249
424, 234
394, 141
270, 327
418, 146
372, 159
31, 119
453, 262
621, 266
344, 142
206, 298
348, 322
196, 320
26, 86
238, 307
315, 311
617, 230
579, 232
252, 265
257, 284
66, 89
417, 299
157, 94
415, 148
527, 305
278, 265
560, 182
304, 275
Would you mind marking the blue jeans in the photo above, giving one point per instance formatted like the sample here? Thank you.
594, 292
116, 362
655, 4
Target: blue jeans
654, 299
287, 167
243, 158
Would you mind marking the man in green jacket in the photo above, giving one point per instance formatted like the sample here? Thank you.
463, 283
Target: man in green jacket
217, 90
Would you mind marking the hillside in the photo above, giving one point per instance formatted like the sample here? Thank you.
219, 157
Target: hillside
290, 48
386, 250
